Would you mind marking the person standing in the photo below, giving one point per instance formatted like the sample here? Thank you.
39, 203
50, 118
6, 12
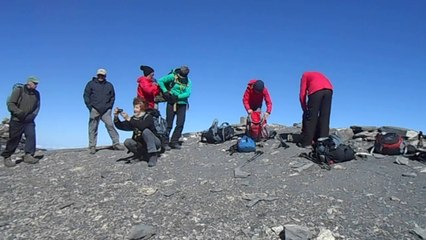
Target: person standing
316, 92
176, 88
99, 97
23, 105
147, 86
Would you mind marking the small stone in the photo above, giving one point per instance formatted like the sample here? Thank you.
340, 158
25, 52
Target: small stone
325, 234
141, 231
294, 232
412, 175
238, 173
395, 199
147, 191
401, 160
338, 167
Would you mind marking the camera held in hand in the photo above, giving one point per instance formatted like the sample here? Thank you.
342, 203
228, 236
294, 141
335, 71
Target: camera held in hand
120, 110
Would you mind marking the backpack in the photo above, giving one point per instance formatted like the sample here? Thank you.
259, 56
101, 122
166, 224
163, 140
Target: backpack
246, 144
21, 88
388, 144
256, 126
217, 134
329, 150
159, 122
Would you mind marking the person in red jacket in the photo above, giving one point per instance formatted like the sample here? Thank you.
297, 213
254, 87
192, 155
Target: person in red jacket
147, 86
254, 95
315, 96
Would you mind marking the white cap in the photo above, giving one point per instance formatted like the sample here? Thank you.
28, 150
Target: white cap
101, 71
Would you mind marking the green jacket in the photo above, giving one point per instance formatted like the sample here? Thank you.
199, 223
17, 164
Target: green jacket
181, 90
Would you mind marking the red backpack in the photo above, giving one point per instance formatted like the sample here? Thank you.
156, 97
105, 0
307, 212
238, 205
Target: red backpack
256, 126
389, 144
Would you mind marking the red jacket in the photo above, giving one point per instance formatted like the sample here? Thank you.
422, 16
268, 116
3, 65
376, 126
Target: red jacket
253, 100
310, 83
147, 90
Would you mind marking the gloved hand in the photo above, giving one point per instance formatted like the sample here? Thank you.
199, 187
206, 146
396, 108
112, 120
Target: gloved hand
166, 96
173, 99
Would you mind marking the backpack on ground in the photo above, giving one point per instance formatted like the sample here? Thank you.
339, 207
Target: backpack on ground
246, 144
218, 133
389, 144
256, 126
329, 150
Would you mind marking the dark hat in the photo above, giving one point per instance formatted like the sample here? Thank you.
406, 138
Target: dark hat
183, 72
259, 86
146, 70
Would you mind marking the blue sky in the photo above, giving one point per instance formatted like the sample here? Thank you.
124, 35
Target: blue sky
372, 51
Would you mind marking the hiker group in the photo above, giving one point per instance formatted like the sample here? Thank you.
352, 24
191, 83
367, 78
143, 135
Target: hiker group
152, 134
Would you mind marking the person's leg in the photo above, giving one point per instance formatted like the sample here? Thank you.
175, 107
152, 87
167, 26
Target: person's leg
134, 147
170, 117
153, 146
16, 129
180, 121
310, 119
107, 119
324, 114
93, 129
30, 143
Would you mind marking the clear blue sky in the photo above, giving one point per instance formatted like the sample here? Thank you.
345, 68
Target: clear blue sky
373, 51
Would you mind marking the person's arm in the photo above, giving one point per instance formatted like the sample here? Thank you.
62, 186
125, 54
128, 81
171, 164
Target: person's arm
122, 125
268, 100
112, 99
246, 98
186, 92
12, 103
165, 80
31, 116
86, 95
302, 94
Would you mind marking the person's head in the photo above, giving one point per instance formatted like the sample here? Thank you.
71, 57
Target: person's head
147, 71
101, 74
258, 86
32, 82
139, 106
182, 73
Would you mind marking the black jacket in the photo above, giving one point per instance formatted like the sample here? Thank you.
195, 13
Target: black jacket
99, 95
137, 125
24, 104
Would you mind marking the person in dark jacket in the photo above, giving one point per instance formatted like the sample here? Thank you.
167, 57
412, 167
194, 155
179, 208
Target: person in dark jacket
23, 105
144, 140
176, 89
316, 92
148, 88
99, 97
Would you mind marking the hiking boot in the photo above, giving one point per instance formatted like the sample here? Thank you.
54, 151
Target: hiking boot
118, 147
8, 162
167, 148
152, 159
92, 150
30, 159
175, 146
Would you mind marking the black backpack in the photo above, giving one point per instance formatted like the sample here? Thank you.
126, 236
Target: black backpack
159, 123
331, 150
217, 134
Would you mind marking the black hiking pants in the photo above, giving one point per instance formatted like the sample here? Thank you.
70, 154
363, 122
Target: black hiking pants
16, 129
180, 114
316, 119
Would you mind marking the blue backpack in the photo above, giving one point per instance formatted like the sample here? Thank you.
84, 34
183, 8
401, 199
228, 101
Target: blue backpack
246, 144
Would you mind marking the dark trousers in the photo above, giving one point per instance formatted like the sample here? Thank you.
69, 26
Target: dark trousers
316, 119
16, 129
180, 114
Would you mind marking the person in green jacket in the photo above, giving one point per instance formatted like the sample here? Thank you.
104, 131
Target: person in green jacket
176, 88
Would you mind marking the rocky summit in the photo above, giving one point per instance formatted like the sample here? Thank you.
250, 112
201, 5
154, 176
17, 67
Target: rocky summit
203, 192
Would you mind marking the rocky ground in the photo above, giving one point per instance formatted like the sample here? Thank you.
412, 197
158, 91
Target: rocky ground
197, 193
